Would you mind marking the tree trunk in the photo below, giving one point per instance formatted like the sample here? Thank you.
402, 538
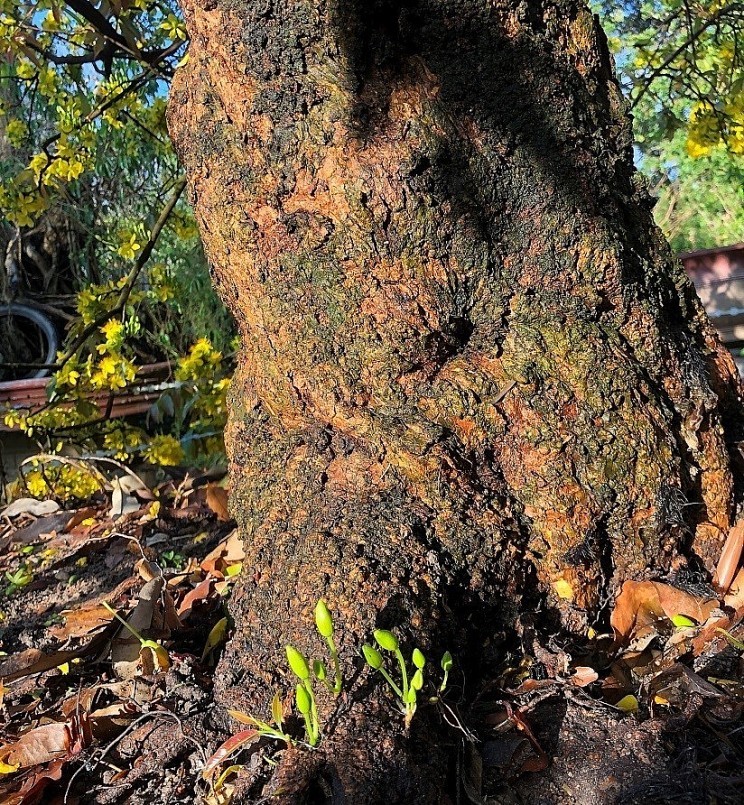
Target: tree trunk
474, 380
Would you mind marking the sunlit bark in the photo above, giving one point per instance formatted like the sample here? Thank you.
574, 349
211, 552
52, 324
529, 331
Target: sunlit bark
472, 377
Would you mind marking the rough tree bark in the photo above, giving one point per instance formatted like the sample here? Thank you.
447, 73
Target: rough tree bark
471, 367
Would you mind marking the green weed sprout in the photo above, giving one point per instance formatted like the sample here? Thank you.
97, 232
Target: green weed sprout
22, 577
446, 667
160, 655
301, 668
324, 625
304, 696
406, 692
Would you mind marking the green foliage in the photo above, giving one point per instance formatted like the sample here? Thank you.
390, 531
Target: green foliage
682, 68
83, 108
700, 200
88, 100
681, 65
20, 578
173, 559
190, 414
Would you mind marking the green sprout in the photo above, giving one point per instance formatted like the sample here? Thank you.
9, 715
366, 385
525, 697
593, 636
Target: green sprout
324, 625
20, 578
407, 691
446, 667
264, 729
159, 654
304, 696
174, 559
305, 671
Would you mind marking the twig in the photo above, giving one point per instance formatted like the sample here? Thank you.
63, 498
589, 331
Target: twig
691, 40
130, 728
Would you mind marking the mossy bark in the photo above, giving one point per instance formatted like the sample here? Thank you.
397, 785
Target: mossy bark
473, 377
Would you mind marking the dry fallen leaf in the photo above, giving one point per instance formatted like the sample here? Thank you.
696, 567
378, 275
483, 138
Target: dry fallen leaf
33, 661
201, 592
217, 501
37, 746
81, 621
32, 784
228, 552
89, 513
583, 675
735, 596
107, 722
642, 603
730, 558
125, 649
37, 508
229, 747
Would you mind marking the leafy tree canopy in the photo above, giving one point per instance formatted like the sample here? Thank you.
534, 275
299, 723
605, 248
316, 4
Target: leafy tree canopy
682, 68
83, 88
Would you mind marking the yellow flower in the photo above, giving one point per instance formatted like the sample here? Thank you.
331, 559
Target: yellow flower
67, 169
36, 485
38, 165
68, 375
123, 440
114, 333
160, 286
201, 357
16, 131
164, 450
47, 82
129, 247
113, 372
110, 116
703, 132
173, 27
25, 70
50, 22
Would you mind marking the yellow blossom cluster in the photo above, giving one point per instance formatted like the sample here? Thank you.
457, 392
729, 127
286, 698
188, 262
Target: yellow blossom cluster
73, 123
61, 481
160, 282
20, 203
122, 441
113, 372
114, 332
165, 451
202, 358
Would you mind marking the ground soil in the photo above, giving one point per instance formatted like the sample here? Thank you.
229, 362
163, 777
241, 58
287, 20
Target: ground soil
524, 737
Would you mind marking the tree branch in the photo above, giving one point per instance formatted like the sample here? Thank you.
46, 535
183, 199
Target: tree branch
691, 40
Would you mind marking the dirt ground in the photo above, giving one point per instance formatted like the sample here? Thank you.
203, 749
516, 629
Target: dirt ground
93, 716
